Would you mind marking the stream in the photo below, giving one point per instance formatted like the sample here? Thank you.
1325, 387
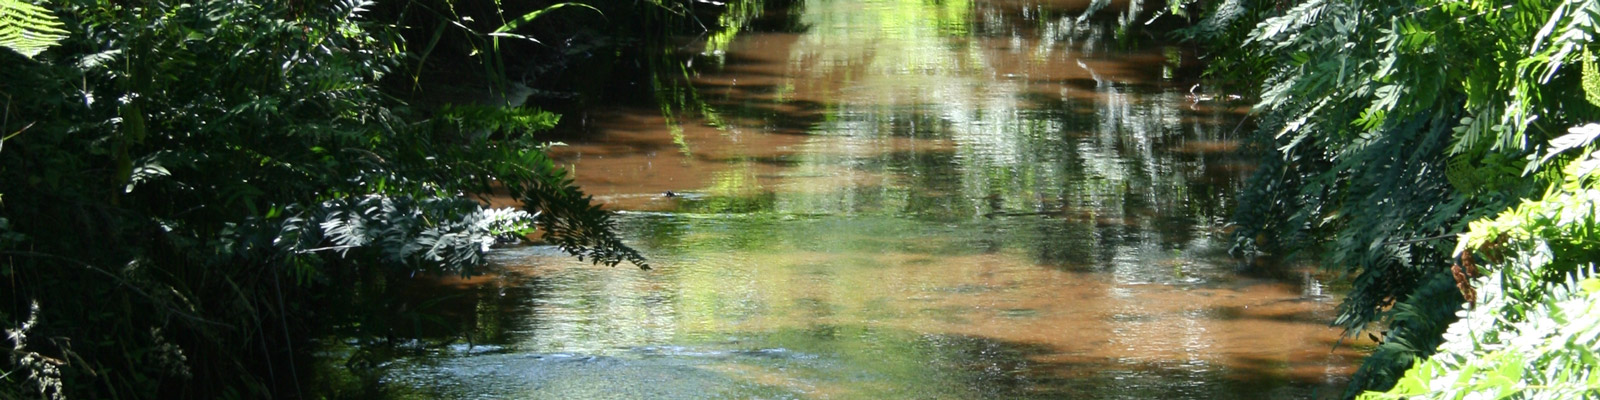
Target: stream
908, 199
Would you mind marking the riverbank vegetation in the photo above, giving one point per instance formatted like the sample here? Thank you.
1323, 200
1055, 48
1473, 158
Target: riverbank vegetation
190, 186
1440, 154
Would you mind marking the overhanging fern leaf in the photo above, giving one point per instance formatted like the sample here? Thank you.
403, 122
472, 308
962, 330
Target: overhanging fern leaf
28, 29
1576, 137
1214, 25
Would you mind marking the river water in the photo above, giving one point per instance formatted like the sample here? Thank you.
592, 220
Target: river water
907, 199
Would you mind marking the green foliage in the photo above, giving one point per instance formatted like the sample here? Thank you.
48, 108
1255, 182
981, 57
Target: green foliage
186, 181
28, 29
1220, 21
1535, 332
1414, 330
1386, 126
479, 120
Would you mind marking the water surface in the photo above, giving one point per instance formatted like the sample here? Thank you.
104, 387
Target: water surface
908, 199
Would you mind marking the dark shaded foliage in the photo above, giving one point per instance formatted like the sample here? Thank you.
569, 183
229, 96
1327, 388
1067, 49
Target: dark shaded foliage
1384, 128
188, 180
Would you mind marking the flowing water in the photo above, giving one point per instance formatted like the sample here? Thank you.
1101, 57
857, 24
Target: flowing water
907, 199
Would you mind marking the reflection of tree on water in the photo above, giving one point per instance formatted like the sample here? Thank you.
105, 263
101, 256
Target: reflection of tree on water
970, 201
1094, 160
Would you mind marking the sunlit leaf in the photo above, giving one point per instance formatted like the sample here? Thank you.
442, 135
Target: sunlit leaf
529, 17
28, 29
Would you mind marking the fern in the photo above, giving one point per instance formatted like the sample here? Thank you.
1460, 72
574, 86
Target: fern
28, 29
1386, 126
1216, 24
1417, 328
1591, 79
1535, 330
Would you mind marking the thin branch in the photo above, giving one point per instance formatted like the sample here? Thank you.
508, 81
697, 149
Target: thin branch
18, 132
308, 251
1424, 239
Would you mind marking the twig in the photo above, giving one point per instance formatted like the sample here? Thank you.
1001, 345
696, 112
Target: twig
18, 132
1241, 124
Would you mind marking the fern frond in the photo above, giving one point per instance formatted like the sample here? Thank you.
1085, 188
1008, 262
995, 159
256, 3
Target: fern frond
350, 9
28, 29
1591, 79
1215, 24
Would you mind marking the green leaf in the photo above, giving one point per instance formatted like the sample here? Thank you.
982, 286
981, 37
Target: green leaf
1590, 286
28, 29
1576, 137
529, 17
1591, 79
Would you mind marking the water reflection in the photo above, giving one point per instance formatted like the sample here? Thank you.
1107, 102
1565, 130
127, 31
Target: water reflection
913, 199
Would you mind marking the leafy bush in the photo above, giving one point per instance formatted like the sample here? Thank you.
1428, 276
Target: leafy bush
185, 180
1535, 332
1387, 126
